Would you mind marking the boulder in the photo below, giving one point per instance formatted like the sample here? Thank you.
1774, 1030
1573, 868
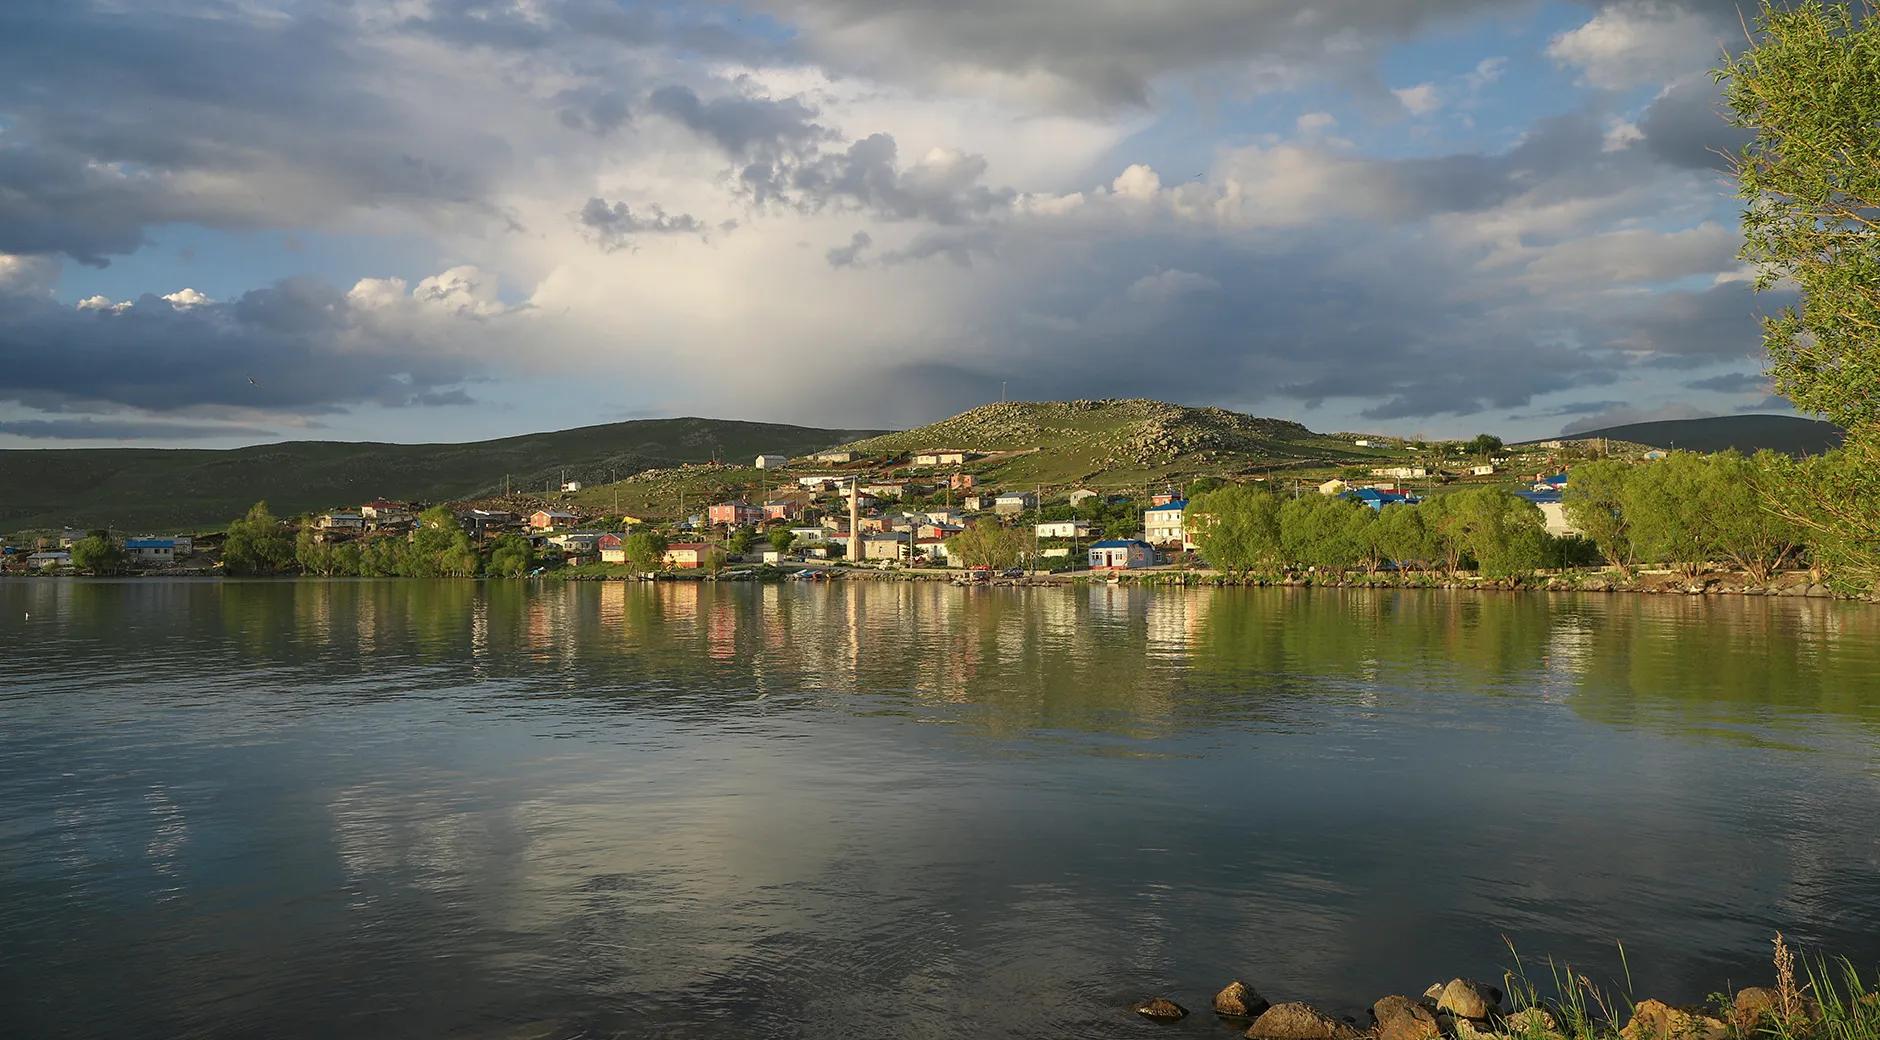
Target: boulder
1295, 1021
1754, 1007
1531, 1023
1657, 1020
1160, 1008
1238, 1000
1466, 998
1400, 1018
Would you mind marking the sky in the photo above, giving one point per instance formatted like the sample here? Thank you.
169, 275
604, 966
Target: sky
233, 221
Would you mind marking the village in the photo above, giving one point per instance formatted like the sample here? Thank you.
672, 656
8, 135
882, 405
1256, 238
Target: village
836, 510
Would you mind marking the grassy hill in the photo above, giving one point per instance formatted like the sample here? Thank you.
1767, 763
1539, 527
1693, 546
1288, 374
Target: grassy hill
1116, 443
1788, 434
160, 489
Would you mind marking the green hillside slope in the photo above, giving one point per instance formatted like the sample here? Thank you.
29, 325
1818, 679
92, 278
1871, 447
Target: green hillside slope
139, 489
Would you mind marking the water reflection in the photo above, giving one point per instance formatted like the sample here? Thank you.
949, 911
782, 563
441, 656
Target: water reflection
397, 808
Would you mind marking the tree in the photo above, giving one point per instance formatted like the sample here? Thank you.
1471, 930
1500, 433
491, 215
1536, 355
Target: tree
740, 540
511, 556
1745, 527
987, 544
1594, 501
1236, 527
645, 550
1484, 445
1319, 531
1808, 91
438, 548
782, 540
1665, 504
1401, 536
99, 553
257, 544
1505, 533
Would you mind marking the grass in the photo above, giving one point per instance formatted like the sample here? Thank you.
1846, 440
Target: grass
1826, 1000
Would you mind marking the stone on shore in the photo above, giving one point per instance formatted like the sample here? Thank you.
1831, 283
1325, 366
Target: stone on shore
1160, 1008
1657, 1020
1753, 1005
1295, 1021
1466, 998
1400, 1018
1238, 1000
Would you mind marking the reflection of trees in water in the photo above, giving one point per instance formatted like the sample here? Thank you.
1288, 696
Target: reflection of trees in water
1100, 659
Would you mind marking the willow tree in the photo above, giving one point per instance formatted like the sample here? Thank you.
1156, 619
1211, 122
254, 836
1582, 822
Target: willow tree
1808, 88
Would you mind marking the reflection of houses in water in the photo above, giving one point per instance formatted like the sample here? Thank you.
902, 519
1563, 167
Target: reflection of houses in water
613, 606
1173, 618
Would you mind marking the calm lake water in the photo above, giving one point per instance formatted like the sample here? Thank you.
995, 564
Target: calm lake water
409, 808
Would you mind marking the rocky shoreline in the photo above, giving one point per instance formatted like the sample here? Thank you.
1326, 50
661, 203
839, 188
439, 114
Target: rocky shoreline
1465, 1009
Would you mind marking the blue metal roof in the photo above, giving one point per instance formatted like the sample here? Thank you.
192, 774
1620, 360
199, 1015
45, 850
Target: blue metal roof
1121, 543
1540, 497
1180, 503
149, 543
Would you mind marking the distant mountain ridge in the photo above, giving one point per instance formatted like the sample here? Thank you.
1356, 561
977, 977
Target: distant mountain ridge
1788, 434
160, 489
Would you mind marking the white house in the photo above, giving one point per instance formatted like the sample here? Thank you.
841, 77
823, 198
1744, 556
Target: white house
150, 550
1015, 502
883, 546
1334, 486
1064, 529
772, 461
810, 535
1484, 470
570, 486
1082, 495
340, 522
834, 457
1121, 554
1162, 525
46, 561
1401, 472
941, 458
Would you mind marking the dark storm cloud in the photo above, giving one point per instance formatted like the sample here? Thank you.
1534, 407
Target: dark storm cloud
868, 176
298, 346
744, 127
1686, 329
122, 430
614, 226
1685, 126
1732, 383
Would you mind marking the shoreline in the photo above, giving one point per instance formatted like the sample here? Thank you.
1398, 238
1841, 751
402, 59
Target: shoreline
1787, 585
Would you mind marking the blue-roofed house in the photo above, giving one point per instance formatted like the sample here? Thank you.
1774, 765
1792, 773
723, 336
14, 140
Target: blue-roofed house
1553, 483
1553, 511
150, 550
1121, 554
1378, 499
1163, 524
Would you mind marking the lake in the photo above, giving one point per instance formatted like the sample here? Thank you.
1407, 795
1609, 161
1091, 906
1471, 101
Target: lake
404, 808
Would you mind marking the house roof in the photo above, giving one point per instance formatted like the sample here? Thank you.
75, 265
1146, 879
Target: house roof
1540, 497
1121, 543
149, 543
1178, 504
691, 546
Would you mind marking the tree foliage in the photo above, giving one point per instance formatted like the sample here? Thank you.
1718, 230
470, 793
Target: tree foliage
645, 549
987, 544
99, 553
257, 544
1236, 527
1322, 531
1808, 88
1594, 502
511, 556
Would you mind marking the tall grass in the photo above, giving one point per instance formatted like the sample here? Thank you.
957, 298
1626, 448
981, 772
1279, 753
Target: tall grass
1829, 999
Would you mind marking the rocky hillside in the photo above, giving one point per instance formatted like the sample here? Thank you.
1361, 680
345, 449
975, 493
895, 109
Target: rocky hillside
1128, 438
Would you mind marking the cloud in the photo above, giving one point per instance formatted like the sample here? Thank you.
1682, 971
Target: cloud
184, 299
89, 429
743, 126
1420, 100
1315, 122
296, 347
1637, 42
850, 255
614, 226
1625, 415
1732, 383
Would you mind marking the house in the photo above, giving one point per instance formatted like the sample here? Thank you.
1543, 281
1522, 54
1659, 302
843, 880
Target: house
1082, 495
1121, 554
945, 516
1553, 511
1162, 498
962, 481
1486, 469
1553, 483
70, 537
1655, 454
979, 502
934, 549
576, 543
613, 554
838, 458
481, 524
1362, 442
549, 519
818, 482
150, 550
943, 458
1014, 502
609, 540
1334, 486
735, 513
185, 544
883, 546
809, 535
782, 509
772, 461
686, 555
342, 522
1401, 472
1378, 499
883, 490
381, 511
1064, 529
931, 530
569, 487
49, 560
1162, 525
